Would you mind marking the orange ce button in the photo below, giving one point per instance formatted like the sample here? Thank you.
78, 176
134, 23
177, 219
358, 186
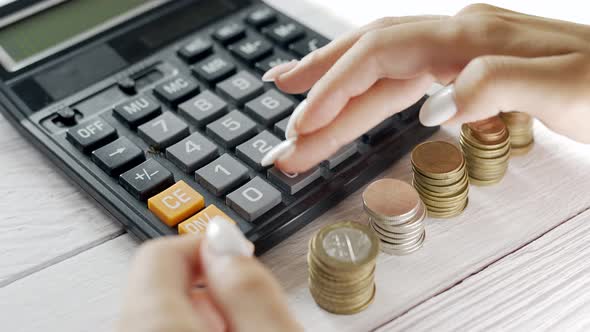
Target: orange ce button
176, 203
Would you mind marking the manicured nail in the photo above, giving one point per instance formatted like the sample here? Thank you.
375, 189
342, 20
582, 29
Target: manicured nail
439, 108
284, 149
225, 239
297, 113
279, 70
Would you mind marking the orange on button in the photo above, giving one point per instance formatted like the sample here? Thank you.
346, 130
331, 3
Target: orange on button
198, 223
176, 203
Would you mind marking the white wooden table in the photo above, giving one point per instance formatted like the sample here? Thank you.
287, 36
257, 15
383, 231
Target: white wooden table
518, 258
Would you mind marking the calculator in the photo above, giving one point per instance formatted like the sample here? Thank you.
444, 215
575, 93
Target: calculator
157, 110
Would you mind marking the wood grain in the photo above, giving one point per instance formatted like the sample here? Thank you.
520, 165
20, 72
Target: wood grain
82, 293
45, 218
543, 286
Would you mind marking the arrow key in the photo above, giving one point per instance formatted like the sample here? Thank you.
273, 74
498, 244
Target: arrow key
118, 156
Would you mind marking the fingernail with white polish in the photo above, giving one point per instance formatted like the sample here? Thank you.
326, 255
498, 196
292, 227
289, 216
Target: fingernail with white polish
284, 149
278, 70
225, 239
439, 108
297, 113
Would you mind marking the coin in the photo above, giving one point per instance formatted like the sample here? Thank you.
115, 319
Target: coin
341, 263
437, 159
487, 148
520, 126
396, 212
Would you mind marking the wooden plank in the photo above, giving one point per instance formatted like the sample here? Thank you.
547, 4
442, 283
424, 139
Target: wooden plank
83, 293
542, 286
44, 217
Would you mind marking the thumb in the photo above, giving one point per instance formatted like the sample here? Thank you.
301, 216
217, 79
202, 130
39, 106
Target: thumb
245, 292
549, 88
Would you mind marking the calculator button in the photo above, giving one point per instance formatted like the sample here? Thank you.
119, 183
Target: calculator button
341, 155
88, 136
146, 180
269, 107
192, 152
203, 109
251, 49
256, 148
118, 156
222, 175
261, 17
195, 50
281, 127
137, 111
197, 224
177, 90
229, 33
232, 129
285, 33
214, 69
308, 45
278, 58
293, 183
241, 87
163, 131
176, 203
254, 199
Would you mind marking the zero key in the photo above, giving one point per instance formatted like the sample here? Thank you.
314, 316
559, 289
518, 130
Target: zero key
89, 136
176, 203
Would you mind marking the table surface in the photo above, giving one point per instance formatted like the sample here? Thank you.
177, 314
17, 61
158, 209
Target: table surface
518, 258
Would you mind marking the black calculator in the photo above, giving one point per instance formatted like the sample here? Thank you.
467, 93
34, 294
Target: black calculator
157, 110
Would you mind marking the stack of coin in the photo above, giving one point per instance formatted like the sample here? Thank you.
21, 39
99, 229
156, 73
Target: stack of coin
396, 214
440, 178
486, 146
341, 262
520, 127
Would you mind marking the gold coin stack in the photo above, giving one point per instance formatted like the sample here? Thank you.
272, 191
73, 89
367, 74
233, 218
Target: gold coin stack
441, 179
396, 214
341, 262
486, 146
520, 127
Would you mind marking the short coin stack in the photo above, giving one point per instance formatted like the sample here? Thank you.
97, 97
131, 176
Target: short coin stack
396, 214
440, 178
341, 262
520, 127
486, 146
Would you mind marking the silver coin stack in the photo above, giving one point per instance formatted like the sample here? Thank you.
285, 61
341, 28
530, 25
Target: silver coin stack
396, 214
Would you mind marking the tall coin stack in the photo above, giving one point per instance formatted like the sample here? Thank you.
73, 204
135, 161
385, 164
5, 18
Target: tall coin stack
440, 177
396, 214
341, 261
520, 127
486, 146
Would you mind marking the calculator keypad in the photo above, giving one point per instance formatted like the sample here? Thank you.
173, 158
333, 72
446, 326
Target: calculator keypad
207, 124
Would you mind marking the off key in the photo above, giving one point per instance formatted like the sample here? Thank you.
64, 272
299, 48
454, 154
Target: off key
176, 203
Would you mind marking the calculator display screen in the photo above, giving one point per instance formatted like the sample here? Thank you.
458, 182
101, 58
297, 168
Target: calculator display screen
31, 35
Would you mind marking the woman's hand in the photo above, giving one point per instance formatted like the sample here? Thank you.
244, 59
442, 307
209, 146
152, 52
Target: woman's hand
240, 293
497, 59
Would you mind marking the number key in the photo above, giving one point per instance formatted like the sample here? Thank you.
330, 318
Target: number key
192, 152
269, 107
203, 109
241, 87
232, 129
254, 199
163, 131
256, 148
222, 175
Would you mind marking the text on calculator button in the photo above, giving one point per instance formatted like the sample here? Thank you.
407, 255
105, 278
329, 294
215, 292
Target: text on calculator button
197, 224
146, 180
176, 203
88, 136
